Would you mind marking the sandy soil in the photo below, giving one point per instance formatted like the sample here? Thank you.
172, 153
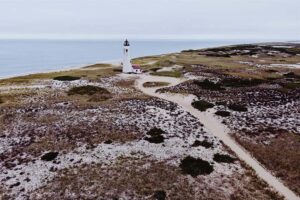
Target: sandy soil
214, 126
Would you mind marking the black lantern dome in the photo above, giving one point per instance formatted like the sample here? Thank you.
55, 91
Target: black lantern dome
126, 43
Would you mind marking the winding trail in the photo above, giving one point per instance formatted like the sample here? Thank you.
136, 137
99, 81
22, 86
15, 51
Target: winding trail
215, 127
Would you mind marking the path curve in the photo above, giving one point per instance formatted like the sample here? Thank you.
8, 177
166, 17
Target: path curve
215, 127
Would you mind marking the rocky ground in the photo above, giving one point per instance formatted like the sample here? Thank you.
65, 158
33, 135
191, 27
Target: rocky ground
103, 139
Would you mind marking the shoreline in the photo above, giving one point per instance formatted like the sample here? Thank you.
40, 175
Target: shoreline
69, 68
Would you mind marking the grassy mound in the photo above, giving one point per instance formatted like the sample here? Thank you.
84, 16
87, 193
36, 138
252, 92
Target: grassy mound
208, 85
155, 84
203, 143
223, 113
238, 107
195, 166
66, 78
87, 90
223, 158
176, 74
100, 97
202, 105
156, 136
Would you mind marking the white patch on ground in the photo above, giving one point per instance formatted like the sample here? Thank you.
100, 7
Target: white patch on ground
286, 65
169, 69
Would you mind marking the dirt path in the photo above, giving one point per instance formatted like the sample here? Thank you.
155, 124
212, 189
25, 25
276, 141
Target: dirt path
215, 127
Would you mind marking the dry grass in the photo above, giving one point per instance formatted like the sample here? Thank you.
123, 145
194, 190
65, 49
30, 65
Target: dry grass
281, 155
141, 178
176, 74
83, 73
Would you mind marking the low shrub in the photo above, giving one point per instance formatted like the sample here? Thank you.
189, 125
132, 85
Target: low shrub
221, 103
1, 100
160, 195
156, 136
203, 143
238, 107
202, 105
208, 85
291, 75
220, 158
223, 113
155, 84
195, 166
66, 78
87, 90
49, 156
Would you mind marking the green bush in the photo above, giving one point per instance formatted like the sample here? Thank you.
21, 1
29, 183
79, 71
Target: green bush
202, 105
66, 78
87, 90
238, 107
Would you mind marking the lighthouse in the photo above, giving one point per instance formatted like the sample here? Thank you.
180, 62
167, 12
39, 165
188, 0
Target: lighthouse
127, 66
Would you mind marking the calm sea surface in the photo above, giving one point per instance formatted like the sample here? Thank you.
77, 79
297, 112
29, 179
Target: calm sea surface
19, 57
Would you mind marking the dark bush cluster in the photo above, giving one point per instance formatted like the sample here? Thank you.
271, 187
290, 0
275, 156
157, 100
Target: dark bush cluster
238, 107
208, 85
195, 166
203, 143
66, 78
220, 158
223, 113
49, 156
238, 82
202, 105
87, 90
155, 136
160, 195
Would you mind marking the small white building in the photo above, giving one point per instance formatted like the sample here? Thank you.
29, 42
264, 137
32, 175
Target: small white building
127, 66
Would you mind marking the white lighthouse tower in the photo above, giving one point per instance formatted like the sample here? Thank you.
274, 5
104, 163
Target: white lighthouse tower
127, 66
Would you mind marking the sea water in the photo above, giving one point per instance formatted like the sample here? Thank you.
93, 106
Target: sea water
19, 57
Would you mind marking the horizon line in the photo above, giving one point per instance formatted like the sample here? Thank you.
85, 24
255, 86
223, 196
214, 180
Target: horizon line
144, 37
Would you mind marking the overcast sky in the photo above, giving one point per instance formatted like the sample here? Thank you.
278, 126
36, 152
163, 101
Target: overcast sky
273, 19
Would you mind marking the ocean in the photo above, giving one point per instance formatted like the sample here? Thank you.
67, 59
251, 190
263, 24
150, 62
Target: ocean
19, 57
